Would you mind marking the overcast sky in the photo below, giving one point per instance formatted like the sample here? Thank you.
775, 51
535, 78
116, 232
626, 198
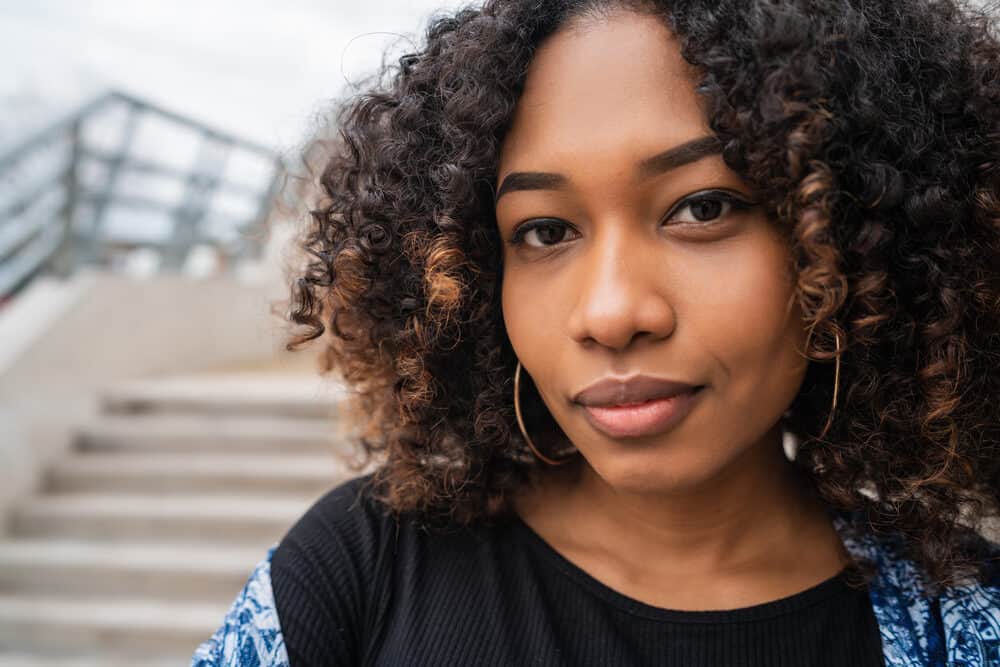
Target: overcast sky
259, 68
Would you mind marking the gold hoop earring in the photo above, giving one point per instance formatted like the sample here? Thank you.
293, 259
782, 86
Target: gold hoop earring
836, 389
520, 422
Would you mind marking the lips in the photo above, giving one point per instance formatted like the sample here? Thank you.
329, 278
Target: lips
638, 389
639, 406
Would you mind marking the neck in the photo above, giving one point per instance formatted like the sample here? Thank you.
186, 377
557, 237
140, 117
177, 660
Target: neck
752, 514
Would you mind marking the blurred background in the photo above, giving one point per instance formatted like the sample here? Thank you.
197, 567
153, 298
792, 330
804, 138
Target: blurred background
155, 437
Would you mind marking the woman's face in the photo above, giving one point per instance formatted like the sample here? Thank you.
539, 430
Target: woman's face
624, 256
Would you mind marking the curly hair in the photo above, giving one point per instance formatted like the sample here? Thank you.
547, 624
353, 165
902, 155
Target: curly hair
870, 130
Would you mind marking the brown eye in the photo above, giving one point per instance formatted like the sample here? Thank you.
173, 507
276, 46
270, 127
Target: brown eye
541, 233
706, 207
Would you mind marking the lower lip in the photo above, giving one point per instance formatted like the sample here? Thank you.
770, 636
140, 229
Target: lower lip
642, 419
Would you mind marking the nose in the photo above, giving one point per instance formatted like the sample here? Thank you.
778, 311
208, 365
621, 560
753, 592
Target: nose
623, 293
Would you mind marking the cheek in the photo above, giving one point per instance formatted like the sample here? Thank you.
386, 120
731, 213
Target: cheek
750, 322
534, 314
525, 316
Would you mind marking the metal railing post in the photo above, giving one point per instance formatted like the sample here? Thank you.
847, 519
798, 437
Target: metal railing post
64, 260
92, 249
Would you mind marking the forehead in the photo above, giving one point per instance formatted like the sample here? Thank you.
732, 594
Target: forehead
612, 88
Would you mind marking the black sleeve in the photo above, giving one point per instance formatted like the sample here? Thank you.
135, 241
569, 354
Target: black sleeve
323, 577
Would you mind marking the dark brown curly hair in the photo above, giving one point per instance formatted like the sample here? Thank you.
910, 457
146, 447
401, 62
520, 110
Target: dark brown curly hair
871, 131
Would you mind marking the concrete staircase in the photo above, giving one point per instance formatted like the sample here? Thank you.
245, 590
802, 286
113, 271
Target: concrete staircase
148, 529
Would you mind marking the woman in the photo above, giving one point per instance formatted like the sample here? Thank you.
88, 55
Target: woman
675, 326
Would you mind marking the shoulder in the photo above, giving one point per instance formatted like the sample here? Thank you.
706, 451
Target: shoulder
325, 574
334, 548
960, 622
347, 522
318, 576
346, 547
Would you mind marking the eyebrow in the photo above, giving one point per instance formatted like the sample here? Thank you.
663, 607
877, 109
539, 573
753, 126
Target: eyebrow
672, 158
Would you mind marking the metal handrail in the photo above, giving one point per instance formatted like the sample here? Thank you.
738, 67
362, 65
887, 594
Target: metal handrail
55, 220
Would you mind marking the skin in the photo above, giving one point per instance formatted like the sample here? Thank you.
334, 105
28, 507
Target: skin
710, 514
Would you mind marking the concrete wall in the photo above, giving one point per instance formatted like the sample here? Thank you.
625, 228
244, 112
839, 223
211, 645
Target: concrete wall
61, 342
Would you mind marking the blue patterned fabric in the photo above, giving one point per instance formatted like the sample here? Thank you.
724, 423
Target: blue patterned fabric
249, 635
960, 628
972, 626
911, 635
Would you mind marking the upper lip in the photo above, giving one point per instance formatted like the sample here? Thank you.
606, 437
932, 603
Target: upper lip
636, 389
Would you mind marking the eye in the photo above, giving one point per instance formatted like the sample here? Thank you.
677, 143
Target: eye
541, 233
704, 207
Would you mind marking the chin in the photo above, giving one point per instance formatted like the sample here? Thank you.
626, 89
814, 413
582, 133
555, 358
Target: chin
654, 472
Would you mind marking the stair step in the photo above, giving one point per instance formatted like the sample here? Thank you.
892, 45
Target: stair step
51, 624
89, 569
209, 433
249, 520
172, 472
47, 657
295, 395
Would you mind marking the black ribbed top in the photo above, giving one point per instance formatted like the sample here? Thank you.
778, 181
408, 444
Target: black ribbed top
354, 587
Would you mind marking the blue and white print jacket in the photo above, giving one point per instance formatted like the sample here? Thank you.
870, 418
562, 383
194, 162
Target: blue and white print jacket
958, 628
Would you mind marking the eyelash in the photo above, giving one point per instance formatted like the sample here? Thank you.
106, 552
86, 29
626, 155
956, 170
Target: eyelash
735, 203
